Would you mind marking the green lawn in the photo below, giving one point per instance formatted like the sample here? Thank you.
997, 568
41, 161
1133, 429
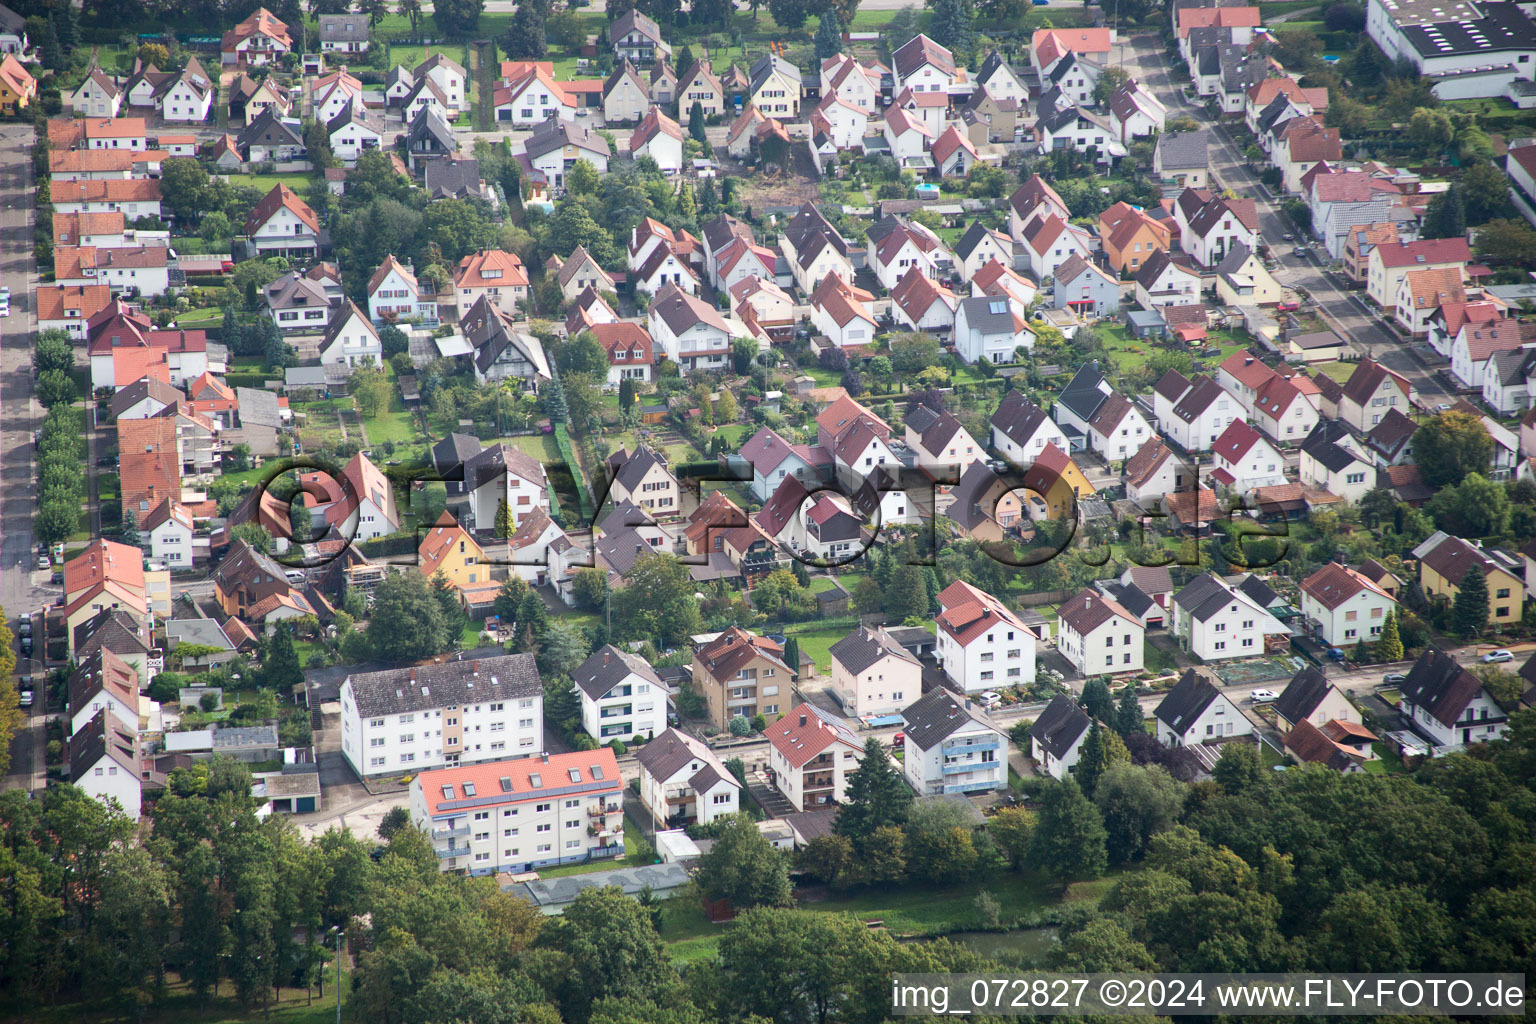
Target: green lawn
1386, 760
202, 318
264, 182
397, 425
179, 1005
817, 643
631, 851
1340, 372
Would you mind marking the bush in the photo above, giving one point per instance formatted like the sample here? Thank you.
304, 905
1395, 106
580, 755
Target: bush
618, 748
740, 726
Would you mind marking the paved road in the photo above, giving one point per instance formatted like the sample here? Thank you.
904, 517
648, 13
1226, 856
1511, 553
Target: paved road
19, 416
1143, 56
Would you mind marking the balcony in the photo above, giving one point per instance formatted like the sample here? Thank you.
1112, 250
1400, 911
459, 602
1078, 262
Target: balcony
450, 833
966, 748
443, 853
970, 787
608, 849
600, 810
969, 766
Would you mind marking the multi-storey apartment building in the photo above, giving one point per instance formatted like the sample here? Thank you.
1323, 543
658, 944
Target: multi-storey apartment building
811, 753
405, 720
739, 673
982, 645
950, 749
522, 815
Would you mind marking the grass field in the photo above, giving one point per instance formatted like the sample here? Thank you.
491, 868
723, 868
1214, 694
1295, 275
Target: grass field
816, 643
180, 1006
1338, 371
631, 850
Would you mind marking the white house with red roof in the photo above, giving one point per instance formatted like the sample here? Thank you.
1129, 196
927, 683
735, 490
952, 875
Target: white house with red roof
982, 645
954, 154
1274, 403
531, 98
922, 65
169, 527
660, 138
1243, 460
282, 224
495, 274
1098, 635
333, 93
760, 302
1153, 472
900, 249
630, 353
1049, 241
1345, 606
256, 40
998, 278
1476, 345
1049, 45
909, 139
394, 295
1451, 317
741, 259
811, 754
124, 347
840, 312
920, 303
362, 509
1390, 262
665, 268
844, 123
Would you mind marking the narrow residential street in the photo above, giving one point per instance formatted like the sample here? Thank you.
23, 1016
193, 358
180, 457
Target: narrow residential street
1346, 311
19, 416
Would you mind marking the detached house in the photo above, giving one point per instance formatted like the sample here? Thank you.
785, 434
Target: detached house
951, 749
688, 331
775, 87
740, 674
351, 339
811, 754
682, 782
1370, 393
943, 445
1345, 606
922, 65
1244, 461
1193, 413
499, 350
982, 644
1450, 706
1163, 282
1085, 289
636, 37
1310, 697
259, 39
621, 696
1098, 635
1215, 621
1153, 472
641, 478
625, 97
494, 275
282, 224
1021, 430
873, 675
105, 761
990, 327
501, 474
1195, 711
660, 138
1444, 562
394, 295
1056, 738
1211, 226
1333, 461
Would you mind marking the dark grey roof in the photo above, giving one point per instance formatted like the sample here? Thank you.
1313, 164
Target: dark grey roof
451, 453
12, 22
1083, 394
973, 237
1018, 417
1060, 725
1322, 444
668, 753
629, 468
810, 824
449, 684
105, 735
490, 464
1302, 695
1501, 28
354, 112
1184, 150
429, 124
453, 179
146, 387
343, 28
112, 629
934, 717
767, 65
1262, 594
608, 667
1131, 597
1190, 696
556, 134
1441, 686
975, 484
1203, 596
622, 548
269, 129
864, 647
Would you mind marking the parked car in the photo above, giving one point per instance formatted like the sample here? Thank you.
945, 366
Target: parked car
1263, 696
1395, 677
899, 740
296, 577
989, 698
1336, 653
1496, 657
1301, 252
26, 646
1287, 238
1287, 307
43, 563
26, 698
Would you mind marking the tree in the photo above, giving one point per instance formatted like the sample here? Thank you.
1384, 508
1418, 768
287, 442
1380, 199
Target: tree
1110, 79
1069, 837
53, 351
1238, 770
582, 180
911, 353
613, 939
1430, 130
1450, 445
1507, 243
566, 30
1485, 189
789, 14
1349, 116
743, 867
906, 595
1101, 749
410, 10
1469, 609
525, 36
395, 820
508, 597
1013, 830
129, 533
951, 25
457, 18
792, 655
280, 668
393, 341
1128, 715
1389, 646
1097, 701
829, 38
829, 857
696, 124
55, 387
1136, 803
1447, 215
554, 403
407, 621
591, 588
725, 408
584, 354
868, 598
562, 704
877, 795
657, 601
371, 390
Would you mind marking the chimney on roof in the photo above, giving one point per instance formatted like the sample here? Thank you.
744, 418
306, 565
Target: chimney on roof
413, 675
605, 656
474, 666
544, 756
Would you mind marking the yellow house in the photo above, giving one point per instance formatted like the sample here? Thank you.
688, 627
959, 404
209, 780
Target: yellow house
1242, 280
1057, 484
1443, 567
449, 550
17, 88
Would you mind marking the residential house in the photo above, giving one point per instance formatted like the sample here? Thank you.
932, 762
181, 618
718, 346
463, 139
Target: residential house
776, 87
1333, 461
1211, 226
1130, 236
854, 82
1098, 635
621, 696
259, 39
1390, 262
700, 87
1244, 461
764, 307
740, 674
360, 506
922, 65
1082, 287
1136, 112
106, 577
1243, 280
682, 782
344, 33
1345, 606
351, 339
982, 644
1370, 393
354, 132
1193, 413
629, 349
1049, 241
1162, 281
494, 275
251, 586
873, 675
1422, 293
991, 328
1082, 130
105, 760
501, 474
954, 154
625, 94
1358, 243
532, 97
418, 718
949, 748
1195, 711
942, 443
449, 549
1310, 697
13, 32
556, 145
103, 682
840, 313
1153, 472
1444, 562
169, 527
1474, 347
1214, 620
1049, 45
450, 79
773, 459
641, 478
688, 331
1449, 706
97, 96
395, 296
660, 138
283, 224
636, 37
811, 754
1453, 318
1056, 737
298, 304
